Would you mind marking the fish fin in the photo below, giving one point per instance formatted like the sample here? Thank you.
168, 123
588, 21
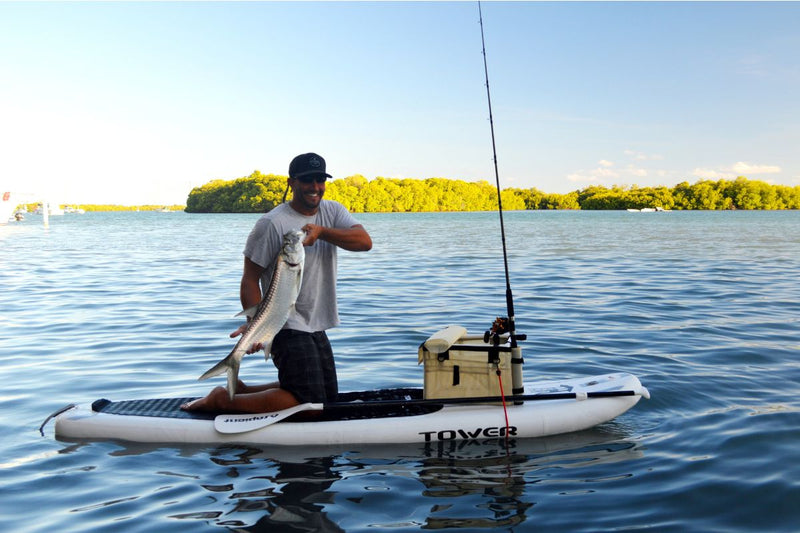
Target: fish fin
299, 281
250, 311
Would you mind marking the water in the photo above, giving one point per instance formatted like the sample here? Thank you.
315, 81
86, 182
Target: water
702, 306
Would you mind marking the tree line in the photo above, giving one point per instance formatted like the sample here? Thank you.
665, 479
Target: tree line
258, 193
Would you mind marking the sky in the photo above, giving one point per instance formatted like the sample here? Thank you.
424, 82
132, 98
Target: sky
137, 103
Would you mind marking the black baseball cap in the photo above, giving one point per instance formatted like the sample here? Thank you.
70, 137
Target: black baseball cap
309, 164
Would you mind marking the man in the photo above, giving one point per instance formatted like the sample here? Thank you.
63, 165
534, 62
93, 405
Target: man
301, 351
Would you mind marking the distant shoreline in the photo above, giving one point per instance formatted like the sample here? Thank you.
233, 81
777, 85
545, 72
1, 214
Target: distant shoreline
259, 193
31, 207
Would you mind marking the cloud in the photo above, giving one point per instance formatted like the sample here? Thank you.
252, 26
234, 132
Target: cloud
636, 171
582, 178
742, 168
711, 174
607, 172
737, 169
596, 175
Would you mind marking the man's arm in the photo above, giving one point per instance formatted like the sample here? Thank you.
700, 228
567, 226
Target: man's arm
249, 288
353, 239
250, 295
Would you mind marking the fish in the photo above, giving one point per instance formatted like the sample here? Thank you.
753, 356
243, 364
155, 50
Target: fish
271, 314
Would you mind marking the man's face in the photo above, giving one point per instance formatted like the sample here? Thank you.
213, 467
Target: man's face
308, 191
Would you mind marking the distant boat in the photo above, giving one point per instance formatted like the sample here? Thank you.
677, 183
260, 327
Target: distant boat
649, 210
75, 210
52, 210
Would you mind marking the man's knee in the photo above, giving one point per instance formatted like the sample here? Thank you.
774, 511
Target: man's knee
219, 398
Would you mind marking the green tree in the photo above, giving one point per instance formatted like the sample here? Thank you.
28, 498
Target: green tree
259, 193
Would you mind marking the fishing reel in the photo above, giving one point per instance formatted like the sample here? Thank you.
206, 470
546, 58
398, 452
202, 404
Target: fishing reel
501, 326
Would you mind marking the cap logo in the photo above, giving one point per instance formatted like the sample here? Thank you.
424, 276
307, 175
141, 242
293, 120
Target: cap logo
314, 162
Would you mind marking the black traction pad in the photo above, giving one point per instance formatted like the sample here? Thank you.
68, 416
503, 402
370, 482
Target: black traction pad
171, 407
157, 407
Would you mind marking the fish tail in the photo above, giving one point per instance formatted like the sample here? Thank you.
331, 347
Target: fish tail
221, 367
229, 364
233, 377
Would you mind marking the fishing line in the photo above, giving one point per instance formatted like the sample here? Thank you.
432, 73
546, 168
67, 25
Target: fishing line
509, 296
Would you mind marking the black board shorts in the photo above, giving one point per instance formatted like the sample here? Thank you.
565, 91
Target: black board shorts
305, 365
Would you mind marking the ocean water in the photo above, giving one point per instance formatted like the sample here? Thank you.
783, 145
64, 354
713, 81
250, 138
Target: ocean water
703, 307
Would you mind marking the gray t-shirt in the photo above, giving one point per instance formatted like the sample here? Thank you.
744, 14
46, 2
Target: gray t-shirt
316, 308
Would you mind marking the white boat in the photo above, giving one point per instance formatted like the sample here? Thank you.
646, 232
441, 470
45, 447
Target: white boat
649, 210
428, 414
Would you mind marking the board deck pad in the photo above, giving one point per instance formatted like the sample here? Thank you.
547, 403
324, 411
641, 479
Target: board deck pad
155, 407
171, 407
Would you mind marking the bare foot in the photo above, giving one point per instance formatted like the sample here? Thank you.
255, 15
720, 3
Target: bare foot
207, 403
194, 405
258, 399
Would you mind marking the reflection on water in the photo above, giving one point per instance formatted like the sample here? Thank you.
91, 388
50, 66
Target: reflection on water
468, 484
291, 498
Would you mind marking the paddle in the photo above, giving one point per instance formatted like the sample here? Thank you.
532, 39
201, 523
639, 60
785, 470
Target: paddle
248, 422
243, 423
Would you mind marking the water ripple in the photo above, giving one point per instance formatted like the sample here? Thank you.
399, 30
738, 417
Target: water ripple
703, 307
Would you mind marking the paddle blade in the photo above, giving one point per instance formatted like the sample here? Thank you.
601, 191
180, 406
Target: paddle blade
249, 422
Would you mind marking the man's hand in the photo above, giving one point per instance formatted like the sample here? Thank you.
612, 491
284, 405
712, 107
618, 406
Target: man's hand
353, 239
257, 346
313, 232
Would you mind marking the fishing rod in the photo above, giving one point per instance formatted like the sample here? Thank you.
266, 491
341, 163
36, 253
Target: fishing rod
509, 296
